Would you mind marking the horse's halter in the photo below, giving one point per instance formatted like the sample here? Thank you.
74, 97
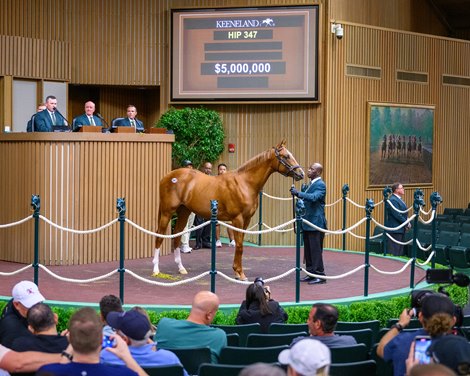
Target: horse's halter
290, 169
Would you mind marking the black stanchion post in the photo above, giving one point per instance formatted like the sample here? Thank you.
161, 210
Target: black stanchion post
213, 272
121, 207
436, 200
418, 202
345, 190
260, 217
386, 193
36, 204
369, 209
299, 213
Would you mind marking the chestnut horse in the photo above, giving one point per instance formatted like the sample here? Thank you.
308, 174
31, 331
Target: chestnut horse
184, 191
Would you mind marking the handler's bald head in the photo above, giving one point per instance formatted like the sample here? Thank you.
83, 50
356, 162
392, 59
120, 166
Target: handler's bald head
204, 307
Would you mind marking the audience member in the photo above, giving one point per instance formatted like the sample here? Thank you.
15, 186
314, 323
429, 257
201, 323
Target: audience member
109, 303
28, 361
88, 118
452, 351
85, 336
131, 120
306, 358
29, 125
260, 308
46, 120
184, 247
222, 169
203, 235
262, 369
42, 323
437, 318
195, 331
13, 323
321, 323
430, 370
135, 329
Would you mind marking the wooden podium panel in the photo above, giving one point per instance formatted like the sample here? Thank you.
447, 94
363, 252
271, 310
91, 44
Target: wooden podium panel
124, 130
90, 128
156, 130
79, 177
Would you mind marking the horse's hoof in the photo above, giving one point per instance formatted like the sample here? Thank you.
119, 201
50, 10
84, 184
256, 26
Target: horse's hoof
241, 277
155, 274
183, 271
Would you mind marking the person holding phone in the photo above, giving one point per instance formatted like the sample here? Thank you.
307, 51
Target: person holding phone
437, 316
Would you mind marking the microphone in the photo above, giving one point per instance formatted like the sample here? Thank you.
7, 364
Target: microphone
68, 123
108, 128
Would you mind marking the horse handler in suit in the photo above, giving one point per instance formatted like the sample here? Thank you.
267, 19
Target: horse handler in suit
314, 200
395, 219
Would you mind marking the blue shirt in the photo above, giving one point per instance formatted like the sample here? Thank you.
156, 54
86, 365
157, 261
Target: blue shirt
85, 369
398, 349
145, 356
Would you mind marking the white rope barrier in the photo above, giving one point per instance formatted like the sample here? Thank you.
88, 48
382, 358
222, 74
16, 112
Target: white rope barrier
286, 230
278, 198
397, 241
168, 284
282, 225
171, 236
78, 231
395, 272
74, 280
334, 276
333, 203
420, 246
425, 212
398, 210
352, 202
433, 215
8, 274
394, 228
427, 260
337, 232
363, 237
18, 222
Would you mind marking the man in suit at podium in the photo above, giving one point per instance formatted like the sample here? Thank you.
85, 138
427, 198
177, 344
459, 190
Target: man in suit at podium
29, 126
131, 120
88, 118
46, 120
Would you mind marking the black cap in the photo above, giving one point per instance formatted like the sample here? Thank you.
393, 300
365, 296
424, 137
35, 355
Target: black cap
259, 280
187, 163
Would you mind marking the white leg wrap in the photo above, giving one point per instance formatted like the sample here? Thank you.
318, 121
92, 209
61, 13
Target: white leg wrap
181, 268
155, 261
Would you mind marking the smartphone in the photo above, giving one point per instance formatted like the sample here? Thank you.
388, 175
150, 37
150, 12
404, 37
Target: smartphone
107, 342
422, 344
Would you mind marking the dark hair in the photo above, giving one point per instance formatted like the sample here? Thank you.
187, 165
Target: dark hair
50, 97
327, 315
110, 303
395, 186
255, 294
40, 317
85, 331
221, 164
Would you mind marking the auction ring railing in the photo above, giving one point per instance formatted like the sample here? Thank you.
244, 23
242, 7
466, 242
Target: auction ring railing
299, 221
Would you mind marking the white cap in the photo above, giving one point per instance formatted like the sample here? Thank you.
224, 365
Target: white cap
306, 356
27, 293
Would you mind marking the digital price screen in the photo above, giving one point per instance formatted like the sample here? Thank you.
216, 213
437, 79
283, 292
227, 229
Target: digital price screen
245, 54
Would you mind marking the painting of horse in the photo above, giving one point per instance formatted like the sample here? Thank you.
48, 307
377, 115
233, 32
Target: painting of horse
183, 191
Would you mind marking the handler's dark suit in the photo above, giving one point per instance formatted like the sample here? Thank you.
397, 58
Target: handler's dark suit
125, 122
395, 219
314, 200
84, 120
43, 121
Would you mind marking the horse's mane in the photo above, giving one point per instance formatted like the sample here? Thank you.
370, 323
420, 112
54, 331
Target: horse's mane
254, 161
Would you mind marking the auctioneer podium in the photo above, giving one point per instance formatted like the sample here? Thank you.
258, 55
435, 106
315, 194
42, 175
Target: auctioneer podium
78, 177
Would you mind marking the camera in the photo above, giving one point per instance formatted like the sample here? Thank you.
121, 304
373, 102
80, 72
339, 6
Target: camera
107, 342
421, 353
339, 32
446, 276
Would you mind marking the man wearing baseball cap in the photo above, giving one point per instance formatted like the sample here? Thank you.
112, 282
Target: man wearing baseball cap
308, 357
13, 323
135, 329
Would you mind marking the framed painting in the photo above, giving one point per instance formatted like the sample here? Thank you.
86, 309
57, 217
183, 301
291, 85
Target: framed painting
400, 146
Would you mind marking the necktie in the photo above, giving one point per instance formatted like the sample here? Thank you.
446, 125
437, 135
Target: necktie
53, 118
132, 123
92, 122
